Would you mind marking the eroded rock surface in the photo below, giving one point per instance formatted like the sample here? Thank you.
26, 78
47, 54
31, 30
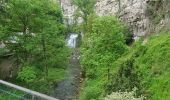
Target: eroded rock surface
132, 12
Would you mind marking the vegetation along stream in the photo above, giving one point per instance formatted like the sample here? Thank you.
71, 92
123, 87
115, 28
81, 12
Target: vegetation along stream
68, 89
124, 49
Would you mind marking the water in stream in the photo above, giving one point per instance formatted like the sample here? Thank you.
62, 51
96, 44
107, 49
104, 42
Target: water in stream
69, 88
72, 40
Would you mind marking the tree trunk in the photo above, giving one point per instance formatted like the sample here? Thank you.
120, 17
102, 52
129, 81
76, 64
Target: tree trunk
44, 56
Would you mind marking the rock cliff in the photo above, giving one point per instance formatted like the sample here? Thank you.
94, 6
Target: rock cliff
68, 10
133, 12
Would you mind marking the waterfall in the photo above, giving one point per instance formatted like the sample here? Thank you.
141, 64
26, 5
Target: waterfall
72, 40
69, 88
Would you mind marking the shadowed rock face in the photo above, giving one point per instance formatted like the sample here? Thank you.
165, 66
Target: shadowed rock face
7, 69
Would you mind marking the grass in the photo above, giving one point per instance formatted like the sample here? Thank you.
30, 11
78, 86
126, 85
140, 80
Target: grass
145, 66
152, 65
46, 86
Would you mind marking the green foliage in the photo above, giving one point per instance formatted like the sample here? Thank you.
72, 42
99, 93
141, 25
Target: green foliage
150, 68
47, 85
112, 67
8, 93
101, 47
127, 77
15, 95
27, 74
93, 89
34, 33
56, 75
85, 8
154, 66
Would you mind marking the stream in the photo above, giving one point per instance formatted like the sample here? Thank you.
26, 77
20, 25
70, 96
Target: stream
69, 88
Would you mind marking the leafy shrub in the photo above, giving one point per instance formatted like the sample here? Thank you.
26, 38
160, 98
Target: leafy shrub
149, 64
55, 75
104, 43
27, 74
126, 77
91, 92
154, 67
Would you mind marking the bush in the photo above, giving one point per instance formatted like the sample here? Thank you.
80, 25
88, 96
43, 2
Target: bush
127, 77
104, 43
93, 90
91, 93
149, 68
55, 75
154, 67
27, 74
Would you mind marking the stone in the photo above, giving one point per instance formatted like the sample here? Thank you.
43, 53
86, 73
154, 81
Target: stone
132, 12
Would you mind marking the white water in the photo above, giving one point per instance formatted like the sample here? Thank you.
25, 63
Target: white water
71, 41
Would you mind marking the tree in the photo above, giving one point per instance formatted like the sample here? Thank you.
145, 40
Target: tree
103, 45
2, 16
33, 31
86, 7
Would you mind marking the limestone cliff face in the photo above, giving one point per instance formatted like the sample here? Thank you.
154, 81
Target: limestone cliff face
158, 12
68, 10
133, 12
130, 11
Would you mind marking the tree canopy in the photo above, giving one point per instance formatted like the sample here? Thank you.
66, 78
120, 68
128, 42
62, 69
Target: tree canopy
34, 33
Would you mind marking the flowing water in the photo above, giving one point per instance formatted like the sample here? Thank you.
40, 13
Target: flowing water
69, 88
72, 40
